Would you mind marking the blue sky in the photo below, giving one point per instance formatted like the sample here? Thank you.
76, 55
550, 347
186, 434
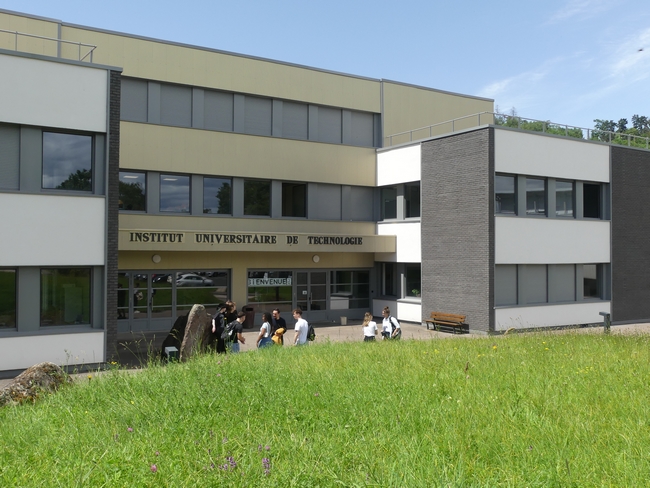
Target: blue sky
568, 61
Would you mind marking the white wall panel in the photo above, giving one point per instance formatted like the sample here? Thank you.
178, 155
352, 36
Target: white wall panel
60, 349
539, 155
520, 240
399, 165
409, 247
51, 230
550, 315
52, 94
404, 311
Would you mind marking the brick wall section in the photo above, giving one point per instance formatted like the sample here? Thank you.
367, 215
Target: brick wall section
630, 234
458, 227
113, 199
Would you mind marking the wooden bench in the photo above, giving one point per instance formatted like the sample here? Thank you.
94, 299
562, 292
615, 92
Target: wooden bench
446, 320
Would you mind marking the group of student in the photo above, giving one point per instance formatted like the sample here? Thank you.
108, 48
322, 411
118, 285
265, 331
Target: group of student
390, 328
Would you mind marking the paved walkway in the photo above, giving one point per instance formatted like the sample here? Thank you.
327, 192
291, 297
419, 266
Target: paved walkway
134, 349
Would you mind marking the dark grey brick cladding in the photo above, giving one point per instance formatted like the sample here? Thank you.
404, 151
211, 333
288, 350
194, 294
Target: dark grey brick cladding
113, 200
458, 227
630, 234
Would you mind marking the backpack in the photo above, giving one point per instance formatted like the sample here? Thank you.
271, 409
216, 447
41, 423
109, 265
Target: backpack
394, 325
311, 333
228, 333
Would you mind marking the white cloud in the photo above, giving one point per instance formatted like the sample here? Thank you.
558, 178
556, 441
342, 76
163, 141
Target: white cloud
580, 10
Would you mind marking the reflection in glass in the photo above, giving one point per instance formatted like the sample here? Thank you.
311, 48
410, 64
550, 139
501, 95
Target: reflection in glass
217, 196
412, 200
564, 198
349, 289
7, 298
504, 195
67, 161
535, 196
175, 193
270, 289
294, 200
590, 278
139, 296
257, 197
122, 296
132, 191
413, 280
591, 200
388, 203
65, 296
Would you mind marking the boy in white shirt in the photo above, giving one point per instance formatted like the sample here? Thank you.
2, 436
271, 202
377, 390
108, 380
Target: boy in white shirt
301, 328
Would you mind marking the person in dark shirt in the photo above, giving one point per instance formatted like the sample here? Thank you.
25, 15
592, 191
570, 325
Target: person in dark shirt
218, 326
238, 335
277, 322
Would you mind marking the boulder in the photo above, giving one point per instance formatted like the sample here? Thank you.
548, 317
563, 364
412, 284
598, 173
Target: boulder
32, 383
197, 333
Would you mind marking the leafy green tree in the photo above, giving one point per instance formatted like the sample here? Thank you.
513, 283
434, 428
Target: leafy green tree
80, 180
132, 196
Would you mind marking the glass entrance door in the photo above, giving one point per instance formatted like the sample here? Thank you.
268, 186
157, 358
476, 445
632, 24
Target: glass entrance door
311, 290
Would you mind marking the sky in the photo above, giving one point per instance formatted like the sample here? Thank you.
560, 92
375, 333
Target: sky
565, 61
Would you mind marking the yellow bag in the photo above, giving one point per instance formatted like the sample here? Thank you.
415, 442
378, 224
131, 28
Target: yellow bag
277, 337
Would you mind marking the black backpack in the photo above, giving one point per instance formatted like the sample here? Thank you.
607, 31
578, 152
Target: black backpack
228, 333
311, 333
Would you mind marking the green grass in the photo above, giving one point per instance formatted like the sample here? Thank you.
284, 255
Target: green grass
523, 410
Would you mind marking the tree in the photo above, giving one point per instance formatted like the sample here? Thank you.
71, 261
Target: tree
132, 196
81, 180
618, 133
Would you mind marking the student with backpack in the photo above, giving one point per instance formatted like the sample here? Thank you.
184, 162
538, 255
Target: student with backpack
233, 333
301, 328
390, 328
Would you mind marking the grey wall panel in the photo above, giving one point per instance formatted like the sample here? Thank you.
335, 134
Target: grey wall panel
97, 296
276, 114
329, 125
134, 100
258, 116
28, 308
276, 199
198, 108
630, 234
9, 157
346, 127
99, 170
153, 103
295, 120
532, 283
313, 122
458, 227
31, 159
324, 201
561, 283
196, 194
505, 284
362, 129
237, 197
361, 204
176, 105
153, 192
218, 110
346, 202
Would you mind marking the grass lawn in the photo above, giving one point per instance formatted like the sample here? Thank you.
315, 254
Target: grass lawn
523, 410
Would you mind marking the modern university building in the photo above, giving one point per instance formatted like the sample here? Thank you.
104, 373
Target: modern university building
140, 176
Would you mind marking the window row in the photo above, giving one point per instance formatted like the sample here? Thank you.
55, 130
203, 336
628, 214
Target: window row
154, 192
401, 280
400, 201
533, 284
185, 106
550, 197
65, 297
34, 159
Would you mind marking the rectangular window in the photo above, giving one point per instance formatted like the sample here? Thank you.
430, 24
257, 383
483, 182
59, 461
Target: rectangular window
389, 280
535, 196
294, 200
175, 193
9, 157
7, 298
351, 288
330, 125
388, 203
258, 115
206, 287
591, 200
65, 296
505, 285
270, 289
413, 280
217, 196
257, 197
590, 279
295, 120
505, 196
133, 100
175, 105
564, 198
67, 161
218, 110
132, 191
412, 200
362, 129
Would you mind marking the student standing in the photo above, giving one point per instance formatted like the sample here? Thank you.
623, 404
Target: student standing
301, 328
238, 335
264, 339
278, 322
390, 328
369, 327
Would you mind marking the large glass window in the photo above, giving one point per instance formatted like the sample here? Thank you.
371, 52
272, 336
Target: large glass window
217, 196
132, 191
65, 296
7, 298
413, 275
505, 195
67, 161
257, 197
350, 286
590, 279
175, 193
412, 200
591, 200
388, 203
389, 279
535, 196
564, 198
270, 289
208, 288
294, 200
